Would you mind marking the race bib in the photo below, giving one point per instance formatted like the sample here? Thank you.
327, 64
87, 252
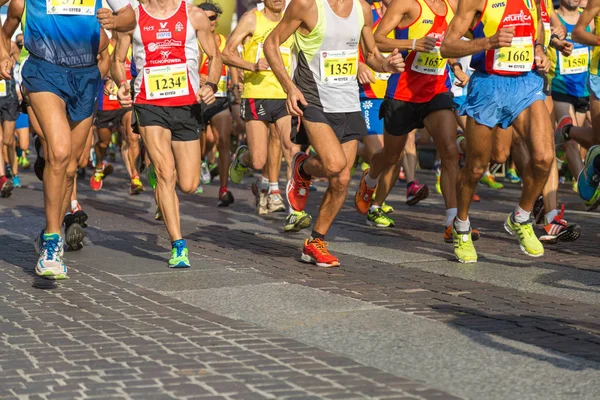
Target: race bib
547, 33
430, 63
339, 66
516, 58
2, 88
576, 63
222, 87
286, 55
166, 81
71, 7
382, 76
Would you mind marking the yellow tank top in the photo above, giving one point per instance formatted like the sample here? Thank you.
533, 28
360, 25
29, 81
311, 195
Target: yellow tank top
222, 85
264, 84
595, 63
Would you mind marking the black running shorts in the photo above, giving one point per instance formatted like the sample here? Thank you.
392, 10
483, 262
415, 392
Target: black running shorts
266, 110
402, 117
347, 126
184, 122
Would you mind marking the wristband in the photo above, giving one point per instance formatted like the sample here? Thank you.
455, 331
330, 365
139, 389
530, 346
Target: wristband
414, 43
542, 46
552, 37
456, 64
212, 86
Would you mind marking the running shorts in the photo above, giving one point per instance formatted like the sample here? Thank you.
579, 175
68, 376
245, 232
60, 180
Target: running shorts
22, 121
347, 126
594, 85
459, 101
208, 112
9, 109
370, 110
498, 100
266, 110
109, 118
77, 87
580, 104
184, 122
402, 117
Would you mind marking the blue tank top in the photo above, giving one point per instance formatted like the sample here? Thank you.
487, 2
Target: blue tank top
569, 75
65, 35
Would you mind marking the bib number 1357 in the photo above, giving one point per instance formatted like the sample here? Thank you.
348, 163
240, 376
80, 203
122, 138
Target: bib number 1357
339, 66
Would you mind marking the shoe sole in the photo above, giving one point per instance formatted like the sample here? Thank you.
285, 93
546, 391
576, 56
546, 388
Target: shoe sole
375, 224
512, 233
302, 223
465, 261
74, 235
180, 266
565, 236
310, 260
7, 189
422, 194
51, 275
280, 208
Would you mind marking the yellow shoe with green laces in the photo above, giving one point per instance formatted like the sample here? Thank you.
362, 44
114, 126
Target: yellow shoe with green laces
528, 241
464, 249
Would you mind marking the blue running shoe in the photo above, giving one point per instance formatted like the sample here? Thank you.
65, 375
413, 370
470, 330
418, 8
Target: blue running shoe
179, 255
16, 181
50, 264
587, 182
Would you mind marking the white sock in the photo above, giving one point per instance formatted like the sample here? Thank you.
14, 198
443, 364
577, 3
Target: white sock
520, 215
263, 184
290, 210
371, 182
74, 204
374, 208
273, 187
550, 216
462, 226
450, 215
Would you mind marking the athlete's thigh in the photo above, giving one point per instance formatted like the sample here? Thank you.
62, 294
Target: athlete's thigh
478, 138
533, 126
51, 114
325, 142
158, 144
257, 136
221, 124
442, 125
104, 134
283, 128
8, 129
502, 141
187, 163
562, 109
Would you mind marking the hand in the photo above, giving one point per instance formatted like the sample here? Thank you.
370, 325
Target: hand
541, 60
203, 79
463, 78
124, 95
395, 62
106, 18
206, 95
6, 65
502, 38
295, 96
261, 65
425, 44
563, 46
560, 31
365, 75
237, 91
109, 86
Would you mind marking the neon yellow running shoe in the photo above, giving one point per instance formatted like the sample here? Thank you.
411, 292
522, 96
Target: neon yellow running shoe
438, 184
575, 186
594, 202
179, 255
297, 221
387, 208
528, 241
379, 219
364, 166
489, 180
464, 250
236, 169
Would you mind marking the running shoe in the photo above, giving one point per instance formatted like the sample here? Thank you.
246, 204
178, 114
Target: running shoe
275, 202
575, 186
401, 175
158, 214
77, 216
464, 250
96, 180
236, 169
74, 236
199, 190
315, 252
205, 177
50, 264
416, 192
528, 241
312, 188
379, 218
297, 221
559, 230
387, 208
559, 137
587, 182
594, 202
81, 173
24, 162
476, 198
448, 237
364, 166
179, 255
438, 182
261, 202
225, 198
538, 212
297, 187
6, 186
489, 181
8, 170
151, 176
214, 171
364, 195
38, 243
512, 176
136, 186
107, 168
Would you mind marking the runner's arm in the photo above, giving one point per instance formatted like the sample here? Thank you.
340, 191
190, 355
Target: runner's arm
6, 61
117, 66
373, 57
104, 61
453, 46
579, 34
120, 17
245, 28
201, 23
391, 19
13, 17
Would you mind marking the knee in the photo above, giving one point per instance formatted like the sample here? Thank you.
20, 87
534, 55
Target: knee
500, 155
9, 141
390, 158
334, 167
542, 162
257, 162
476, 170
189, 186
59, 158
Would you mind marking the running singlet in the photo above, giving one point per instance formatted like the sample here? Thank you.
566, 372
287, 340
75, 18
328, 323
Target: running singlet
519, 57
375, 90
264, 84
222, 85
64, 32
110, 102
595, 63
546, 9
166, 57
328, 60
569, 75
24, 52
426, 74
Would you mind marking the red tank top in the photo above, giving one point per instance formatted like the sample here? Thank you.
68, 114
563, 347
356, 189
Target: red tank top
166, 53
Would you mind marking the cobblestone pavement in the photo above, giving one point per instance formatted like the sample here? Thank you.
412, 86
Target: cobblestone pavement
399, 320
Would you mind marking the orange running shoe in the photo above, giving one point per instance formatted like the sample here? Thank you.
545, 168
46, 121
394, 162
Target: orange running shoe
476, 199
297, 187
448, 234
364, 195
315, 252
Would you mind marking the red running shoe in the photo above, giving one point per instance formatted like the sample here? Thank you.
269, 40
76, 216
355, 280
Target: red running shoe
416, 192
364, 195
297, 188
315, 252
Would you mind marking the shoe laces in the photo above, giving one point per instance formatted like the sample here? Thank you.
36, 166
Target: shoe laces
98, 175
51, 249
179, 247
320, 245
558, 219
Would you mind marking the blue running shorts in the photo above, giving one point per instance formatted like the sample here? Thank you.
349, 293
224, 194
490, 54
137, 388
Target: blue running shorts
77, 87
22, 121
370, 110
594, 85
459, 101
495, 100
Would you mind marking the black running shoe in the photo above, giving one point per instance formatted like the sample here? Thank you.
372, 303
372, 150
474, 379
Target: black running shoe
225, 199
538, 211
